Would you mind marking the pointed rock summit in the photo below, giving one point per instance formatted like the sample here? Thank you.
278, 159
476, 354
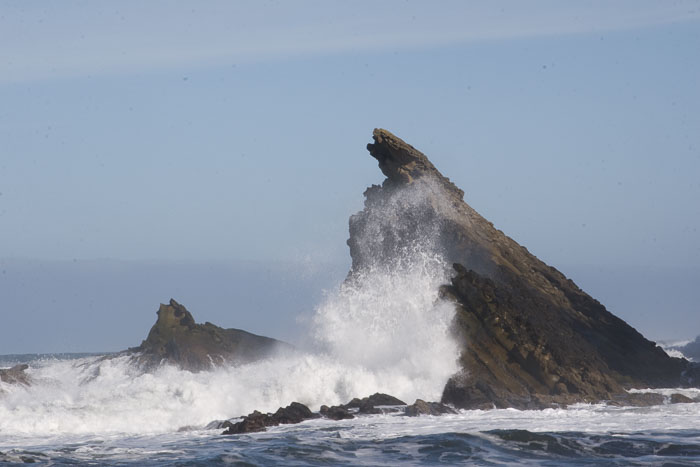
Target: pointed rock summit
175, 338
529, 336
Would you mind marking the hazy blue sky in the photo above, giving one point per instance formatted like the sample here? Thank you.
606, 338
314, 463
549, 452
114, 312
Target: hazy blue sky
180, 133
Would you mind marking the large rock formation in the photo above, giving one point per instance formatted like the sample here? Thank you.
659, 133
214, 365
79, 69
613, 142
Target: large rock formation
529, 336
178, 340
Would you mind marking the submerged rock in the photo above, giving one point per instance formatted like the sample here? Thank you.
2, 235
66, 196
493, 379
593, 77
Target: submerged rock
529, 337
22, 458
175, 338
297, 413
15, 375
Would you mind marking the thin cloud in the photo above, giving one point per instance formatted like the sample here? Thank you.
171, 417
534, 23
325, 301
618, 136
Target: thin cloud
69, 39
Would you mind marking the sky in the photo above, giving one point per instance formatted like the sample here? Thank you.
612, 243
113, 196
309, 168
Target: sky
213, 152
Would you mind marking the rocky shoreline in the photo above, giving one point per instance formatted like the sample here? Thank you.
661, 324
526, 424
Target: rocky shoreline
297, 412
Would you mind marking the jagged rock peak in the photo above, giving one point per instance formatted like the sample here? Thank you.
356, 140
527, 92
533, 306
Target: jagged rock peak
402, 163
174, 315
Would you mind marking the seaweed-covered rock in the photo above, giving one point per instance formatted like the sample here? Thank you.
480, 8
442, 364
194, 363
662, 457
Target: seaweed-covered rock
529, 337
175, 338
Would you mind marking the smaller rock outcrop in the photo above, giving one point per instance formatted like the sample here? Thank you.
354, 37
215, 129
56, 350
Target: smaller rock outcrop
175, 338
637, 399
677, 398
336, 412
370, 405
15, 375
257, 421
421, 407
375, 404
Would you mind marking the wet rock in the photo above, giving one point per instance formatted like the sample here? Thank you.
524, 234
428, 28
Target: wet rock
257, 421
253, 422
420, 407
175, 338
529, 336
15, 375
336, 412
293, 413
369, 405
637, 399
677, 398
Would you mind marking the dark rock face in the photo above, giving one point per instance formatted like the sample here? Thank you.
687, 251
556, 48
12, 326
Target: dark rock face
530, 337
365, 406
175, 338
420, 407
15, 375
297, 413
256, 421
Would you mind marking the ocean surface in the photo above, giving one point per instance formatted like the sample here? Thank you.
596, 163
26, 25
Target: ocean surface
90, 410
